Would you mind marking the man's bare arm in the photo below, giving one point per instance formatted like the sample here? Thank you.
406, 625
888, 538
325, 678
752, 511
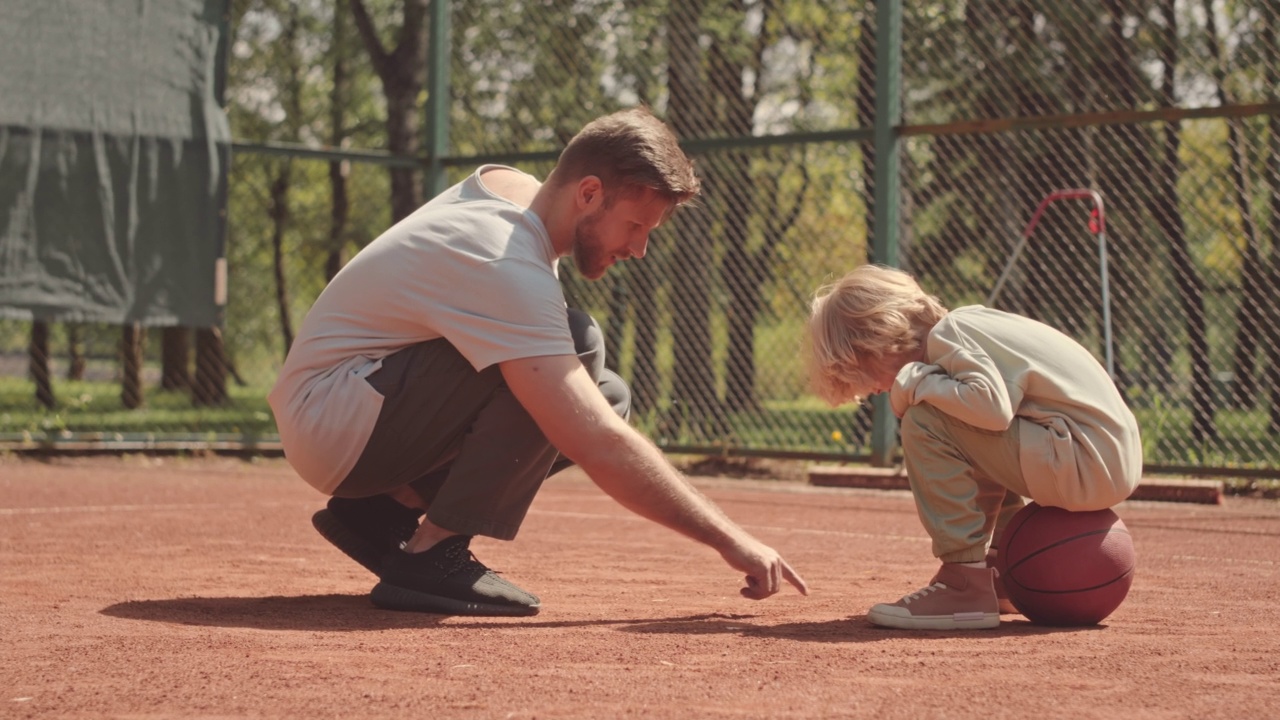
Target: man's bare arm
568, 407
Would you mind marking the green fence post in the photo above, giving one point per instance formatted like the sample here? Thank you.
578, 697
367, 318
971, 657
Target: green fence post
884, 249
438, 78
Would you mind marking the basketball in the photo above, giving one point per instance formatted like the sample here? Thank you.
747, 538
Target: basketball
1065, 568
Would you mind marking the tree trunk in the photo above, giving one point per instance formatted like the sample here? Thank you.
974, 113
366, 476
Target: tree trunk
1169, 217
38, 363
1272, 74
1249, 320
1018, 191
642, 281
737, 200
132, 341
210, 384
403, 141
75, 353
694, 389
866, 112
1125, 171
279, 212
339, 97
747, 274
175, 358
403, 73
339, 212
278, 208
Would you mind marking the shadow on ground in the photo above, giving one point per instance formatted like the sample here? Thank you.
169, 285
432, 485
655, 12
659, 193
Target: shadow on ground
355, 613
347, 613
842, 630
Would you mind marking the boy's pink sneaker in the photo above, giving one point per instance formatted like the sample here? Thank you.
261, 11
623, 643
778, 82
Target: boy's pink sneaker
958, 598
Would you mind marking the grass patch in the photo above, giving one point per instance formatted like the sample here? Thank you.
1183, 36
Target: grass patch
95, 407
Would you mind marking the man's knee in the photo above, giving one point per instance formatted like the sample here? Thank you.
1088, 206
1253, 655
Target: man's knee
616, 391
588, 342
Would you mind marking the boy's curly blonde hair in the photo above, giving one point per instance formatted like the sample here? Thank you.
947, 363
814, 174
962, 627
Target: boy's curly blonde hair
871, 312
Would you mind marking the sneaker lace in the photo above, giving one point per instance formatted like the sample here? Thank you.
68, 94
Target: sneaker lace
923, 592
457, 557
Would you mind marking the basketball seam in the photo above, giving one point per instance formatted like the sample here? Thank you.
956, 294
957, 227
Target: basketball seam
1112, 581
1021, 524
1059, 543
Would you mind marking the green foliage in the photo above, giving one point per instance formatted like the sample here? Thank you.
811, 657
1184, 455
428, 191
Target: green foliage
95, 407
1244, 440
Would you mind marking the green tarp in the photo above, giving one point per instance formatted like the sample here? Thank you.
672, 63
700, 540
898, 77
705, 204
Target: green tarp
113, 160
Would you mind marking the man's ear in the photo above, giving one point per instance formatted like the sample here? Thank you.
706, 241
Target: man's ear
590, 193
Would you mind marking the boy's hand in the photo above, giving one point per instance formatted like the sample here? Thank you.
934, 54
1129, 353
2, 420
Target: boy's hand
903, 394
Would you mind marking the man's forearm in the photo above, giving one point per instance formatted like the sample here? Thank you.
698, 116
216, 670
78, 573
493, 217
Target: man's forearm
641, 479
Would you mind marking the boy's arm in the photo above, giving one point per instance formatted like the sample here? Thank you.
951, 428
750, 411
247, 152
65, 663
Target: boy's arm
963, 383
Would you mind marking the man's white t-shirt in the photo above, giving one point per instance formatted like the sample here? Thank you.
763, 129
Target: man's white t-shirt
469, 266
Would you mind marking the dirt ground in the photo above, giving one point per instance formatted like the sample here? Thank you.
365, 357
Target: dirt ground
196, 588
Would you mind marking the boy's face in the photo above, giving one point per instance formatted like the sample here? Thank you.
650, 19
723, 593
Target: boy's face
882, 371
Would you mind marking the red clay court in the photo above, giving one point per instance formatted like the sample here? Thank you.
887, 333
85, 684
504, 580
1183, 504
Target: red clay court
144, 587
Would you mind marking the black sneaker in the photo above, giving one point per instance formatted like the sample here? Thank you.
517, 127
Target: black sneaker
367, 529
449, 580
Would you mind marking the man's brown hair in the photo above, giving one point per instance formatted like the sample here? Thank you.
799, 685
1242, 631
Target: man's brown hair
629, 150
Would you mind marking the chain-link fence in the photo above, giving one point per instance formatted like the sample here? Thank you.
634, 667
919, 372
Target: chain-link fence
1167, 110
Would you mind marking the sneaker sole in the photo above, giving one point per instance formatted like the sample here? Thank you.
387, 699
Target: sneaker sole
354, 546
959, 621
392, 597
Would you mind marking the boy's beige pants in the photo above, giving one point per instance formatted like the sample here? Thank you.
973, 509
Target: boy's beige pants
967, 482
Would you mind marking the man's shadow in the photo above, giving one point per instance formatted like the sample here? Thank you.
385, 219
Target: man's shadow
342, 613
355, 613
335, 613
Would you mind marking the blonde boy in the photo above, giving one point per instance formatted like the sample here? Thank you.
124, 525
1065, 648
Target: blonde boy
994, 408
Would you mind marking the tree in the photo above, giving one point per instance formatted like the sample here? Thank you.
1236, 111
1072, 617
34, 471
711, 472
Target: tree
1271, 61
693, 390
175, 358
132, 345
403, 72
1169, 217
630, 290
281, 94
641, 286
210, 384
339, 170
746, 210
75, 352
754, 196
38, 363
1250, 325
